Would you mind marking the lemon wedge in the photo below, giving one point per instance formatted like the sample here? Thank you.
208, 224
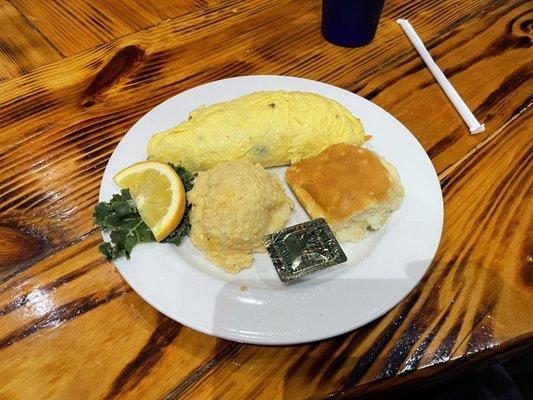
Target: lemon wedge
158, 194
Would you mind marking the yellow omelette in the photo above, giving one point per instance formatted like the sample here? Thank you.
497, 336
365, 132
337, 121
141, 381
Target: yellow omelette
270, 128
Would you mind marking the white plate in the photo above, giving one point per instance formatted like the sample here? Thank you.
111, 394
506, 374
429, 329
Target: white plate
254, 306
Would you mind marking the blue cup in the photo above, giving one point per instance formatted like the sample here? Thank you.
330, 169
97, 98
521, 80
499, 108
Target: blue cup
350, 23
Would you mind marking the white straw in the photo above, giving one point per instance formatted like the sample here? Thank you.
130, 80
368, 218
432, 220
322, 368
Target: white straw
457, 101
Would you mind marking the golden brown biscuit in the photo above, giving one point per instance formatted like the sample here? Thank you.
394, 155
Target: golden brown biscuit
351, 187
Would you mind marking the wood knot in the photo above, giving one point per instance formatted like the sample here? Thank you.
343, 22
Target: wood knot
116, 68
527, 26
18, 247
522, 32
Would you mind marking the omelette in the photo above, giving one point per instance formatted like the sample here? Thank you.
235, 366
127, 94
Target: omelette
270, 128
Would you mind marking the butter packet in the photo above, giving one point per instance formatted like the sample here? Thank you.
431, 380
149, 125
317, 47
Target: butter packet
303, 249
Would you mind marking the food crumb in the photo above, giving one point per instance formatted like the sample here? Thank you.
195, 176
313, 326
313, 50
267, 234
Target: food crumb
244, 288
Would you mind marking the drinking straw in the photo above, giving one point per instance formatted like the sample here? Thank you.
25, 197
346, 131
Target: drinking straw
457, 101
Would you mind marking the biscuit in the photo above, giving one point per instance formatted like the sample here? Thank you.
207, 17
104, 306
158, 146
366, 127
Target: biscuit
351, 187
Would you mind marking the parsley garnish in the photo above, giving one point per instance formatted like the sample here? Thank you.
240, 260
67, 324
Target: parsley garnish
120, 217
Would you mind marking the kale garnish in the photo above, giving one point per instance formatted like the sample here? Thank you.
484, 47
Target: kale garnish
120, 218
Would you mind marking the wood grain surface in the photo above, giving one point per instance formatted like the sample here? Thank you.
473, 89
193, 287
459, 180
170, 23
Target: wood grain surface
22, 47
76, 75
73, 26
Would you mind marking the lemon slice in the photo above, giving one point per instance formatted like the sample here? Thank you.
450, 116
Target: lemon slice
158, 194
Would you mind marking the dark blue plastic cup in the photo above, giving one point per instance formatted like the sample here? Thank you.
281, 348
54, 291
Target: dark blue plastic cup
350, 23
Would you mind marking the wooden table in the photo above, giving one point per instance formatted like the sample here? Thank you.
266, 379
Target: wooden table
76, 75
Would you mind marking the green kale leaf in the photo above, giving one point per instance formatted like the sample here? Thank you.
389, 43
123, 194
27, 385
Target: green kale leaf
183, 229
186, 177
120, 218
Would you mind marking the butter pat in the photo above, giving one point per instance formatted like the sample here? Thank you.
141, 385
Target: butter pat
303, 249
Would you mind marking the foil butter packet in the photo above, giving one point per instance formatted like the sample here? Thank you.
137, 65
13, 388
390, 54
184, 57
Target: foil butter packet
303, 249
